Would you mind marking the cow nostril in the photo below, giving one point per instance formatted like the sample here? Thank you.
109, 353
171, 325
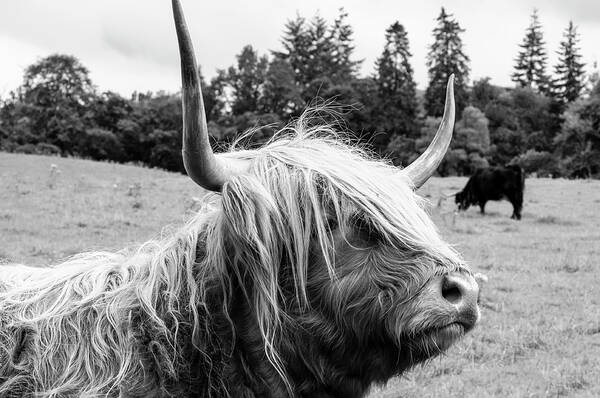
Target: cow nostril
451, 292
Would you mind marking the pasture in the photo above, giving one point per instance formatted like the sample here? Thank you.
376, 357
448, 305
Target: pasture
540, 331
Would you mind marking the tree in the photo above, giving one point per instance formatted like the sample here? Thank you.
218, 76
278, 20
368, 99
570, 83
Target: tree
320, 51
401, 150
534, 118
281, 94
397, 107
166, 150
506, 138
456, 160
592, 85
5, 143
151, 113
55, 97
340, 35
247, 80
543, 164
530, 67
319, 54
446, 57
109, 108
132, 139
469, 148
471, 142
296, 44
579, 140
484, 93
216, 101
570, 73
58, 80
100, 144
472, 131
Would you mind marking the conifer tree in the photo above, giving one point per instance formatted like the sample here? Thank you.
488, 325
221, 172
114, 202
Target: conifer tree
317, 50
446, 57
247, 80
340, 35
320, 50
569, 70
281, 94
530, 67
396, 88
296, 44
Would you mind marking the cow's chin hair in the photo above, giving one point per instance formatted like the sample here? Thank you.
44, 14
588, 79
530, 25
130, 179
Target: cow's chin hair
427, 344
438, 339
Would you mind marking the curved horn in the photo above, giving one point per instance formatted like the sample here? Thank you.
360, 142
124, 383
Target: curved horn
201, 164
425, 165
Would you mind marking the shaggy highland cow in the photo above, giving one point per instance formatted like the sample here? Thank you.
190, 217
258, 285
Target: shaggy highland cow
312, 271
494, 183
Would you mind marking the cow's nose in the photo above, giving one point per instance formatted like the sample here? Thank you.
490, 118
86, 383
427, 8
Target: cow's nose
462, 291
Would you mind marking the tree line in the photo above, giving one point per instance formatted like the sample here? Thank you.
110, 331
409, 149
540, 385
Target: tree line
547, 123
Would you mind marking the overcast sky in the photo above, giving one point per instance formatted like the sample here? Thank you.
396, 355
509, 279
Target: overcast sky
130, 44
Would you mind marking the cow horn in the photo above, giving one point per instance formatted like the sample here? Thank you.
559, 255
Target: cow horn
425, 165
202, 165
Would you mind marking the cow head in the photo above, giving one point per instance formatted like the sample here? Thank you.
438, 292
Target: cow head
340, 270
463, 200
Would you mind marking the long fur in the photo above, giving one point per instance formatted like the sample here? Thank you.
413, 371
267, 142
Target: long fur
146, 322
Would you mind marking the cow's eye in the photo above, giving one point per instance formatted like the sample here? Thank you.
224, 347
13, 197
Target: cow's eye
365, 228
332, 223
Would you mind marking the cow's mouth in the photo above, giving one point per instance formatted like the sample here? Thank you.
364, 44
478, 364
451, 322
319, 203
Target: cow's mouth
435, 340
443, 337
429, 343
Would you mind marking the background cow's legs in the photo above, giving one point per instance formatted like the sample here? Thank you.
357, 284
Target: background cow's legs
516, 210
517, 203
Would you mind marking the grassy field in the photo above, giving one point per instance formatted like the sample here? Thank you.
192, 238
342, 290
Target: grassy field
540, 331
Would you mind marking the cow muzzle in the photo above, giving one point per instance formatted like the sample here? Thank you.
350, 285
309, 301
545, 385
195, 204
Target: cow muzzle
461, 291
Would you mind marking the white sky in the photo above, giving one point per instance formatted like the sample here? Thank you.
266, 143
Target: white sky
130, 44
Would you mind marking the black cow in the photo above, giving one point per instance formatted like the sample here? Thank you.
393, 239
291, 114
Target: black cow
494, 183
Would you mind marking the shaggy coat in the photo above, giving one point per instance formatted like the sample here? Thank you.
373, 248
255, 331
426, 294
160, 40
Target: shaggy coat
494, 183
308, 277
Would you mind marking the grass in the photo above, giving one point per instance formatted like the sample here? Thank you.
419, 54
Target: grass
46, 216
540, 331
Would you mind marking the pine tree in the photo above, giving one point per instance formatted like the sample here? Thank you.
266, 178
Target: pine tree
530, 68
320, 50
396, 88
569, 70
247, 80
340, 35
296, 44
316, 50
281, 94
446, 57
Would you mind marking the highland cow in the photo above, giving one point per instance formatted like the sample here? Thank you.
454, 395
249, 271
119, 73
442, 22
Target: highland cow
494, 183
311, 271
